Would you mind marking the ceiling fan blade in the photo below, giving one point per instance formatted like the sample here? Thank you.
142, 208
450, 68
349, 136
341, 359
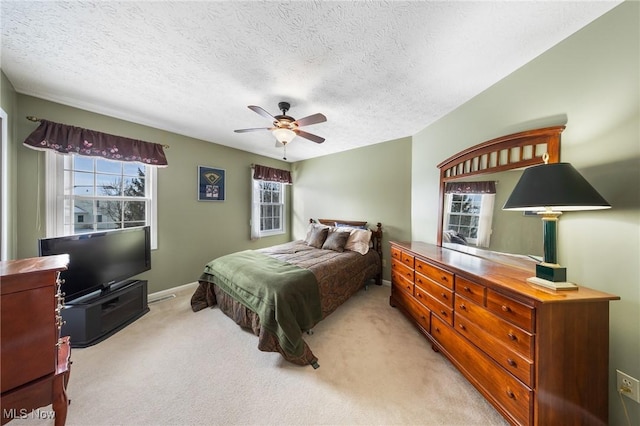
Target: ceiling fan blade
262, 112
254, 129
311, 119
314, 138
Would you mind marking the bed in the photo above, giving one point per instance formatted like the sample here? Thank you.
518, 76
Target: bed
281, 292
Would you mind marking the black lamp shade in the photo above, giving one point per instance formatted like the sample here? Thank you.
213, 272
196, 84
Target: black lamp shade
557, 186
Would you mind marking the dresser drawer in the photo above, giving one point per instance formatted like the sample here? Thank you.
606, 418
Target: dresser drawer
418, 312
502, 331
407, 259
439, 275
496, 384
436, 307
438, 292
29, 334
511, 310
509, 359
402, 269
470, 290
399, 281
396, 253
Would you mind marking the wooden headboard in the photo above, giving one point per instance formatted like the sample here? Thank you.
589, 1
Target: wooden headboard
376, 234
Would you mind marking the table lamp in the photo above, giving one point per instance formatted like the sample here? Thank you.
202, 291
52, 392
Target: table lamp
550, 189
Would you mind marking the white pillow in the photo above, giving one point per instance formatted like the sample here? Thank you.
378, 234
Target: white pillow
358, 240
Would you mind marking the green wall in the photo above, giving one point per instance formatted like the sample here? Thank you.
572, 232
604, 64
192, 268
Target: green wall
190, 233
371, 183
590, 82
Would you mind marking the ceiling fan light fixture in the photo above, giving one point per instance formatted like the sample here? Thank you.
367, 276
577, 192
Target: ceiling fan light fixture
283, 135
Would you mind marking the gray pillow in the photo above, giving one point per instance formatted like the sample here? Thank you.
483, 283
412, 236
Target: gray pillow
317, 237
336, 240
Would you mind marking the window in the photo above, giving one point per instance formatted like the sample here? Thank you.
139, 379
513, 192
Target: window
464, 215
470, 215
268, 209
89, 194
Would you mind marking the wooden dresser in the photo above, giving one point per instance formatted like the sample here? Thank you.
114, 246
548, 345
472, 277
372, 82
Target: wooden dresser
34, 359
539, 356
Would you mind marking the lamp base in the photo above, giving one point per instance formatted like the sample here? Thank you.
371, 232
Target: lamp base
551, 272
554, 285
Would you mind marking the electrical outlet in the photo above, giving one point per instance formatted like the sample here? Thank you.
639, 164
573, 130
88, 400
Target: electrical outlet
628, 386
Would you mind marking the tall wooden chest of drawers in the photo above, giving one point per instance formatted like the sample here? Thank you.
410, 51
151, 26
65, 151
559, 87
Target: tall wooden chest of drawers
538, 356
34, 358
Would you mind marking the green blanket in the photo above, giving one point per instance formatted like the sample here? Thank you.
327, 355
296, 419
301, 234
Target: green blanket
285, 297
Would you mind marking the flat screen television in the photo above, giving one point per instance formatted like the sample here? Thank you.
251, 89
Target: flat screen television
100, 260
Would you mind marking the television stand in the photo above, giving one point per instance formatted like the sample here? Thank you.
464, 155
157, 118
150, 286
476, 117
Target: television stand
91, 320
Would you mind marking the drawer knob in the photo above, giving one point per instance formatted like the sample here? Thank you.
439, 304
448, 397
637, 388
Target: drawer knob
419, 295
467, 289
512, 336
444, 278
506, 308
463, 307
510, 394
438, 329
444, 295
444, 313
462, 327
511, 362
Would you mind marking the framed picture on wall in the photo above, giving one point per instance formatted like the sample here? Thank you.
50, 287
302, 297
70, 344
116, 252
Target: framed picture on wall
211, 184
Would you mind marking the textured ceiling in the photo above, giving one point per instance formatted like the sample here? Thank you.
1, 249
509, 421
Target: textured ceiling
379, 70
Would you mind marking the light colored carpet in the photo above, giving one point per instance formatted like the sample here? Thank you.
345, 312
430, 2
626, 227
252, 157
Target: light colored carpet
177, 367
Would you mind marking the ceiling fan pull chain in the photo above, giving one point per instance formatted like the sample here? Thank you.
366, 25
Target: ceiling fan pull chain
285, 152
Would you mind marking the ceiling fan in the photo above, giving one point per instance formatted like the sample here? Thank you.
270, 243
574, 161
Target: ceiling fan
285, 127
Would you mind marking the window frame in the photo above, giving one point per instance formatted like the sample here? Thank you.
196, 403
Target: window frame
55, 197
258, 204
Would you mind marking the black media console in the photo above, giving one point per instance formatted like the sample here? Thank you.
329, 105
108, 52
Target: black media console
89, 320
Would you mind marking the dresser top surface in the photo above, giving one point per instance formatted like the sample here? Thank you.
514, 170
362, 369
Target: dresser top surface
501, 271
33, 265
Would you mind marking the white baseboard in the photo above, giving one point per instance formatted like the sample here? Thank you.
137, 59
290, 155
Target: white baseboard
163, 293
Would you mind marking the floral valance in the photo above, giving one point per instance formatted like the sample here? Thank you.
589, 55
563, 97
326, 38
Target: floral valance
484, 187
271, 174
75, 140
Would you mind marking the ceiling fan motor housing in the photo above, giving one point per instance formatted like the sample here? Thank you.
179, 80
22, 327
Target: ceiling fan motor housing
284, 120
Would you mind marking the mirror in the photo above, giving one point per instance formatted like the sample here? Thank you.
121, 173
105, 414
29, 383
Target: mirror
509, 232
479, 218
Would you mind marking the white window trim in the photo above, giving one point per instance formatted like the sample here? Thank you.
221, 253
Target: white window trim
54, 204
4, 191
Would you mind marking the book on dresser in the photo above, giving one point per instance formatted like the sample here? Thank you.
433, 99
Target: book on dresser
540, 357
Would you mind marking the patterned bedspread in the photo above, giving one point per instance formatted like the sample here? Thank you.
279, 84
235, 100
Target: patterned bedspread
339, 276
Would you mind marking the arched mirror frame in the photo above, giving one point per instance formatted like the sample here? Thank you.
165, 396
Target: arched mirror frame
509, 152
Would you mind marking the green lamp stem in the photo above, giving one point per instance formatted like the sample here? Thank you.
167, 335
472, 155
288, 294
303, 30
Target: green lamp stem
550, 236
